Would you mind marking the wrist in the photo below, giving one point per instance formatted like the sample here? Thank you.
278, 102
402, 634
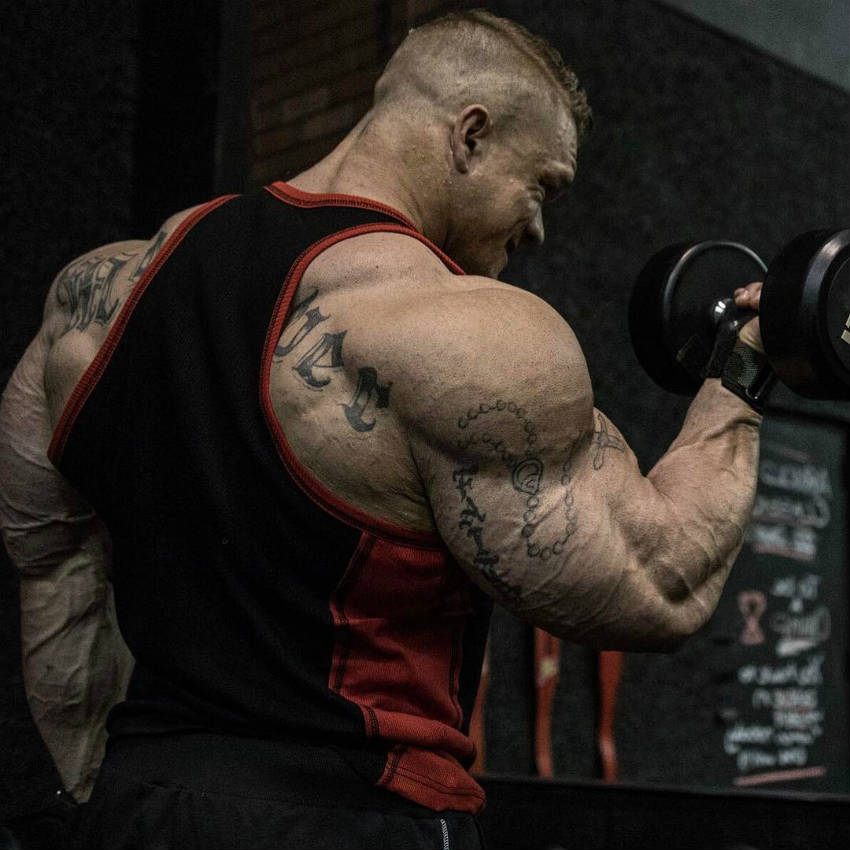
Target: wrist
743, 368
748, 374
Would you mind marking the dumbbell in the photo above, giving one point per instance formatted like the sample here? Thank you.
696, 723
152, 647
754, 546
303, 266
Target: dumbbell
685, 290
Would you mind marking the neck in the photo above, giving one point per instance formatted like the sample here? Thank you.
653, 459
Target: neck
376, 163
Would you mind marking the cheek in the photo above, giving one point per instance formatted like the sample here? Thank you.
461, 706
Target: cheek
509, 215
525, 207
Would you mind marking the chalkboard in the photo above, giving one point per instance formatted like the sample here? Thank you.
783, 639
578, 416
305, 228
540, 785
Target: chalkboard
782, 689
758, 698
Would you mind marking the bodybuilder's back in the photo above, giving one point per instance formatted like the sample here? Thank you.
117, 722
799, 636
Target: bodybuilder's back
345, 358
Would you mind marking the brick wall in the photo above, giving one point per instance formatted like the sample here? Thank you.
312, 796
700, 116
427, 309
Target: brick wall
313, 70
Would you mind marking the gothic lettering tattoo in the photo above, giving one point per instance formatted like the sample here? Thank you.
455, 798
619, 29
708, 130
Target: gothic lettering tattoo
312, 317
472, 524
85, 290
152, 251
368, 391
326, 354
486, 427
603, 439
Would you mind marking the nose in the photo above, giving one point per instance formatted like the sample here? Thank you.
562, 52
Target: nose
534, 232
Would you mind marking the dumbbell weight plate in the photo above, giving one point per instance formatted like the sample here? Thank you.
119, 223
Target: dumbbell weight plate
673, 304
805, 308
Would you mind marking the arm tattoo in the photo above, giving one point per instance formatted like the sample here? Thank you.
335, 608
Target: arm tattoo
85, 290
153, 250
326, 354
472, 524
530, 484
604, 439
368, 390
500, 408
312, 318
517, 452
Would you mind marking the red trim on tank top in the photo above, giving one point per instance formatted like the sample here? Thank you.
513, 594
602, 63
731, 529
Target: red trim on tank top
320, 494
85, 386
299, 198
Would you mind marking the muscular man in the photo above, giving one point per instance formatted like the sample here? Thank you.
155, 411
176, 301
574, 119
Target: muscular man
323, 437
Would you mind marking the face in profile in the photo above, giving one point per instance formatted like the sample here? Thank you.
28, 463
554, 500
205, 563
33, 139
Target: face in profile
506, 187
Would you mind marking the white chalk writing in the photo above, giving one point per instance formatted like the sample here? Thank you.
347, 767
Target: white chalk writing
807, 479
805, 674
814, 512
792, 507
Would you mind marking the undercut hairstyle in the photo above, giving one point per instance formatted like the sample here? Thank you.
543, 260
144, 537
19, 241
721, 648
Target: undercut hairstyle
475, 55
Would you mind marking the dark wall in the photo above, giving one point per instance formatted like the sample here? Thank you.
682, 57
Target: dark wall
697, 135
69, 81
811, 35
176, 99
109, 112
109, 122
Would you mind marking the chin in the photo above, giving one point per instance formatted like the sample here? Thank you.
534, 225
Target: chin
494, 266
500, 265
485, 266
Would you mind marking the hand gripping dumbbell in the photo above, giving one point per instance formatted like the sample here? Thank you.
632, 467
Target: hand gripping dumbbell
684, 294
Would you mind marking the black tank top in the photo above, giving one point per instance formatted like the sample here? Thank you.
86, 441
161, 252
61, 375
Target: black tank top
254, 601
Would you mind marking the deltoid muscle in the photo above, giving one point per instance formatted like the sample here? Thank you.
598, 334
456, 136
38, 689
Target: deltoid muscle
85, 290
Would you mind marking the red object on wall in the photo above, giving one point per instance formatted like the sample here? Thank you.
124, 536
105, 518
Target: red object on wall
547, 658
610, 670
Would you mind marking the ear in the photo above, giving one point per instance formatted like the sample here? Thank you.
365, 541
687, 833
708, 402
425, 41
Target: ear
471, 125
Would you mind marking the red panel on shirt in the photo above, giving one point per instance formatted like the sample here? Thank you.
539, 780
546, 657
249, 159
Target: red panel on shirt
400, 614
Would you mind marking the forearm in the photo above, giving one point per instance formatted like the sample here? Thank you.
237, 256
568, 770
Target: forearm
707, 482
75, 664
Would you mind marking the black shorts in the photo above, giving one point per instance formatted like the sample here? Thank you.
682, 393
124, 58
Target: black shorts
210, 791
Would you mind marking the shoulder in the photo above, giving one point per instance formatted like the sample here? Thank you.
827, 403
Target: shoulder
446, 340
489, 326
480, 344
90, 289
83, 303
416, 286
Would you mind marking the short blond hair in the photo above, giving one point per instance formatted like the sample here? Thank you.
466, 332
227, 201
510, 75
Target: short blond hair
463, 53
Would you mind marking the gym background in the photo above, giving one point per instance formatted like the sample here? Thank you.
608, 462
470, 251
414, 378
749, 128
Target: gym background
714, 119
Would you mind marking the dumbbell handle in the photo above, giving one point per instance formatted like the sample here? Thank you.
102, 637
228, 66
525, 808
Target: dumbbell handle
742, 369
